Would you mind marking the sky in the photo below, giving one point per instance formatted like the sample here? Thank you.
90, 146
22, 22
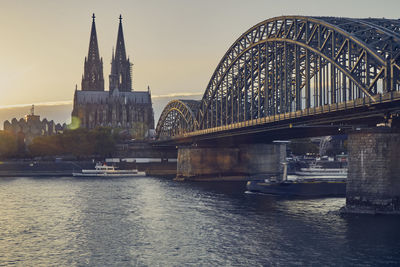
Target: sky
175, 45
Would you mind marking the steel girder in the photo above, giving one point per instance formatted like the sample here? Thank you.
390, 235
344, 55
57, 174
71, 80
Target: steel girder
291, 63
178, 117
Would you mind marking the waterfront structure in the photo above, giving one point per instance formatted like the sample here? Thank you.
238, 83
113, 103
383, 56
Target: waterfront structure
31, 126
296, 69
120, 107
291, 77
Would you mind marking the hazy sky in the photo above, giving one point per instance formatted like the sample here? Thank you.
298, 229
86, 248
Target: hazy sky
175, 44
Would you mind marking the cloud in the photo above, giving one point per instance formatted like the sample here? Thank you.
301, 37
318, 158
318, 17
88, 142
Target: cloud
50, 103
177, 95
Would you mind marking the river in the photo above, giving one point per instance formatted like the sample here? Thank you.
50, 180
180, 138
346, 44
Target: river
158, 222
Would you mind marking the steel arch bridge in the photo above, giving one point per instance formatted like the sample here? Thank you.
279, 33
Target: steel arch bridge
292, 66
178, 117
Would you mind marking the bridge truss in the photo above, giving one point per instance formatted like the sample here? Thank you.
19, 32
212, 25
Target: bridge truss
289, 64
178, 117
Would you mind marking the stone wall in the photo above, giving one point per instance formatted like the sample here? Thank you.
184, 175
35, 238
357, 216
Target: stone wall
144, 149
219, 163
373, 184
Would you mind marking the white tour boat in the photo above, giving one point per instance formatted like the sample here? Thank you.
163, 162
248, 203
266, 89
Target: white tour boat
316, 171
102, 170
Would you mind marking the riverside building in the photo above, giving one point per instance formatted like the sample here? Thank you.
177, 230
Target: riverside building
31, 126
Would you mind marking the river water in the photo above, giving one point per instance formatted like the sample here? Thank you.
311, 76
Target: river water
159, 222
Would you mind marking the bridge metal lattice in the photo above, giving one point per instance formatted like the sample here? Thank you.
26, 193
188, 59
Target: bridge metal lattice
178, 117
293, 63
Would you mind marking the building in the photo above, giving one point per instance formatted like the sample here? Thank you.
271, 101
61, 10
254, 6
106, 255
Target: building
120, 106
31, 126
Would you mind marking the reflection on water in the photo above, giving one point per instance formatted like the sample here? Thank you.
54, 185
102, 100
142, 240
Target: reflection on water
150, 221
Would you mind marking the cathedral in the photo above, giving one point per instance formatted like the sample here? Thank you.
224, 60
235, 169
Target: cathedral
120, 106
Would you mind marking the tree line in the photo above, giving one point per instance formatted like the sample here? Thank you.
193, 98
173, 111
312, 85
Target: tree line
80, 143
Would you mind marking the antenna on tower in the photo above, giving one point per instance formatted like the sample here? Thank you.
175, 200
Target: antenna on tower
33, 110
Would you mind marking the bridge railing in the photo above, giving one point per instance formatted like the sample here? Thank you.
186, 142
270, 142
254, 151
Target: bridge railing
290, 117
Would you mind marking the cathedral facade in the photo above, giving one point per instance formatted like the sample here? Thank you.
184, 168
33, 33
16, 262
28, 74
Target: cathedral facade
120, 106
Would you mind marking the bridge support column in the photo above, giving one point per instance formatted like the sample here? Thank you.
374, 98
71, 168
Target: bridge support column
373, 183
230, 163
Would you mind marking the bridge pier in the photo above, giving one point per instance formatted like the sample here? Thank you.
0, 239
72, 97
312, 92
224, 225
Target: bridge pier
373, 183
230, 163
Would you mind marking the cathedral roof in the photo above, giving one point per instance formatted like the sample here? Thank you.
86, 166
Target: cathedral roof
103, 97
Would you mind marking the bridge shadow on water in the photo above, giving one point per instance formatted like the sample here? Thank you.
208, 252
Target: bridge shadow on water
237, 192
300, 229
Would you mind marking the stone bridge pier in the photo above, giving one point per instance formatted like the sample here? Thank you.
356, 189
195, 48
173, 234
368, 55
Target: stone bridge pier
373, 183
242, 162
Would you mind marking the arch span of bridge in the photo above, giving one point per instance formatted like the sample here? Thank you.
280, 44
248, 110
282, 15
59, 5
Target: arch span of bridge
288, 68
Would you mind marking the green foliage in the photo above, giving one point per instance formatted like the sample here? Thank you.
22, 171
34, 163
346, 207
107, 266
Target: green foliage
105, 141
98, 142
46, 146
77, 142
8, 144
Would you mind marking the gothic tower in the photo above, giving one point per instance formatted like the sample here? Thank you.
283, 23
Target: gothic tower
92, 79
120, 77
121, 107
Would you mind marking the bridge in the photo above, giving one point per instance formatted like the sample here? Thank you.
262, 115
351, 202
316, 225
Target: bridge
295, 71
289, 77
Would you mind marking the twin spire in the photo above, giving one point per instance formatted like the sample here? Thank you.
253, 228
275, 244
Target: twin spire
93, 46
92, 79
120, 77
121, 74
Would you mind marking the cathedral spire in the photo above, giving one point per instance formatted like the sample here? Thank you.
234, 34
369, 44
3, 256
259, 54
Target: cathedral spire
93, 53
120, 76
93, 79
120, 53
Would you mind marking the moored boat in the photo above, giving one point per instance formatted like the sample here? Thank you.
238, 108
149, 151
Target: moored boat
299, 187
318, 172
103, 170
312, 181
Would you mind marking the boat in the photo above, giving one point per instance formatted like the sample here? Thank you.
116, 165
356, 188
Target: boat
312, 182
299, 187
103, 170
318, 172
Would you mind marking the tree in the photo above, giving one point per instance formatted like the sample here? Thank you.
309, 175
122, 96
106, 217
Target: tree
105, 141
8, 144
46, 146
79, 142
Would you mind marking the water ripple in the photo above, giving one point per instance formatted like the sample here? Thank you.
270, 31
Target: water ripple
157, 222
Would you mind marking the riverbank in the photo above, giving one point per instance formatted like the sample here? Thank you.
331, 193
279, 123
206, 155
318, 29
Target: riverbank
48, 168
17, 168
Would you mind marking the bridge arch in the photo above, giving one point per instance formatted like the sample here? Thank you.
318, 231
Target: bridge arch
291, 63
178, 117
